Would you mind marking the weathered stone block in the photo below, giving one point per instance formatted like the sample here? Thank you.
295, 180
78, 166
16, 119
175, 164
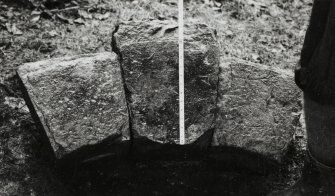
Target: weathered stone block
201, 79
149, 52
77, 100
257, 106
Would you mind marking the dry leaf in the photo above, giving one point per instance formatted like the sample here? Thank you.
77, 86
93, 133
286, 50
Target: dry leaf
13, 29
79, 21
102, 16
53, 33
10, 14
16, 31
84, 14
274, 10
255, 56
35, 16
3, 19
64, 19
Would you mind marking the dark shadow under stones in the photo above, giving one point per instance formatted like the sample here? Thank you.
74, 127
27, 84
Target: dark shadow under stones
144, 167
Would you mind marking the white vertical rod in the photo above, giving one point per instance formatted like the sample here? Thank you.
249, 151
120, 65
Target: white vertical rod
181, 72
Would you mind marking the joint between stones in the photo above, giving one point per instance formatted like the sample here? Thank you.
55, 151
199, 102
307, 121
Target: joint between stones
117, 51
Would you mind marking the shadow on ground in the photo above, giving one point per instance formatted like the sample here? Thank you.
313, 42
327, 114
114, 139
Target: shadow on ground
143, 167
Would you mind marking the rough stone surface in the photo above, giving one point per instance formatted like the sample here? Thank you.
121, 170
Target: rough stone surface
149, 52
258, 107
201, 79
78, 100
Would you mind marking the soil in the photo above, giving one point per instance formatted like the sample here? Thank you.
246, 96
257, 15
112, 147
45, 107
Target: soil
267, 32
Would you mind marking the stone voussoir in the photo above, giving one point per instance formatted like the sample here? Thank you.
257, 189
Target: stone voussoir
257, 108
77, 100
149, 53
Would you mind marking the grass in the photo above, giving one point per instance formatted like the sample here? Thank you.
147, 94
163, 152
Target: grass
266, 32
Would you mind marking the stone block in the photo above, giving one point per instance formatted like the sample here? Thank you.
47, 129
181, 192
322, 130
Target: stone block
257, 108
77, 100
149, 53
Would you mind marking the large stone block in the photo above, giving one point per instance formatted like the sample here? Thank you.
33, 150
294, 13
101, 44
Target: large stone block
257, 108
77, 100
149, 53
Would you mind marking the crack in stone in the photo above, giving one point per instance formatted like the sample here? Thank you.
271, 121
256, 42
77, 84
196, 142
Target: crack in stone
117, 51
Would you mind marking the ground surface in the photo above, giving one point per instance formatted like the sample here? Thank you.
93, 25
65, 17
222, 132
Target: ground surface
262, 31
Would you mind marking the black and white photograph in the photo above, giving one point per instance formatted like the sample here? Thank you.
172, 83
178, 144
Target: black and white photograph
167, 97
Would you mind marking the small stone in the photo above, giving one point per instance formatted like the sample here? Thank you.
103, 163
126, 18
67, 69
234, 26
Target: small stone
16, 104
257, 106
56, 93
